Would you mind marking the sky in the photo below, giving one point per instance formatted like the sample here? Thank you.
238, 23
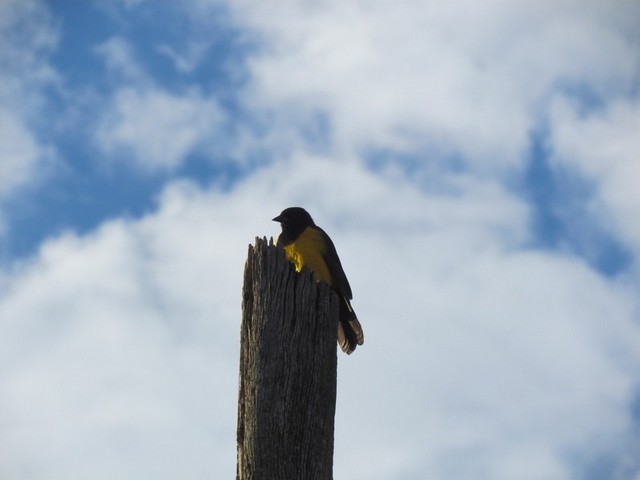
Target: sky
476, 164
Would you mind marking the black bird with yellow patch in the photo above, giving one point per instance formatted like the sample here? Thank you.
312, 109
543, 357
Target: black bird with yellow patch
307, 244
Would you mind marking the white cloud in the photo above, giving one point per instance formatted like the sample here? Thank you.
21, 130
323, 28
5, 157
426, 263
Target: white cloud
487, 362
119, 60
143, 123
458, 78
603, 147
132, 370
186, 60
19, 151
157, 129
27, 37
483, 358
480, 356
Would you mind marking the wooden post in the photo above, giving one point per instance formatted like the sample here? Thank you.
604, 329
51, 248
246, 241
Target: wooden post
288, 361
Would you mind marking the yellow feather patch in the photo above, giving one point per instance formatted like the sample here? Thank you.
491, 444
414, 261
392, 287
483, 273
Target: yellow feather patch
307, 250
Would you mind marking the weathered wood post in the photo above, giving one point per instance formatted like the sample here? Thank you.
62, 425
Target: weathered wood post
288, 358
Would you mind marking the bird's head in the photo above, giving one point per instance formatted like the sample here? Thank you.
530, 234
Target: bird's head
294, 220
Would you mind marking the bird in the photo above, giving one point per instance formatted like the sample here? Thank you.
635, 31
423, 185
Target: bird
306, 244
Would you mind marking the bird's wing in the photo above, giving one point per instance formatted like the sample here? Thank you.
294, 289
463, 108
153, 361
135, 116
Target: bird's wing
330, 256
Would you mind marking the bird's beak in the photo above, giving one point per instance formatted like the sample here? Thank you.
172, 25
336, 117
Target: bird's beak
277, 219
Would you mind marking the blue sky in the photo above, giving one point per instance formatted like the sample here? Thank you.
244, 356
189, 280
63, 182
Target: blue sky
475, 163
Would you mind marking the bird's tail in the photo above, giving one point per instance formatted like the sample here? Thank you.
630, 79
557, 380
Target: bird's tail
350, 333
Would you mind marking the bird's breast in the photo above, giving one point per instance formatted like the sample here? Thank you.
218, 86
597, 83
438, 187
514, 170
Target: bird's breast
307, 250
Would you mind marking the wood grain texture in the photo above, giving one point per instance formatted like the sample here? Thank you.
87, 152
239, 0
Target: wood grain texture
288, 360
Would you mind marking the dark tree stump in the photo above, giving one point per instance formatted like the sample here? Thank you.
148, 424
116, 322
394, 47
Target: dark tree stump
288, 361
